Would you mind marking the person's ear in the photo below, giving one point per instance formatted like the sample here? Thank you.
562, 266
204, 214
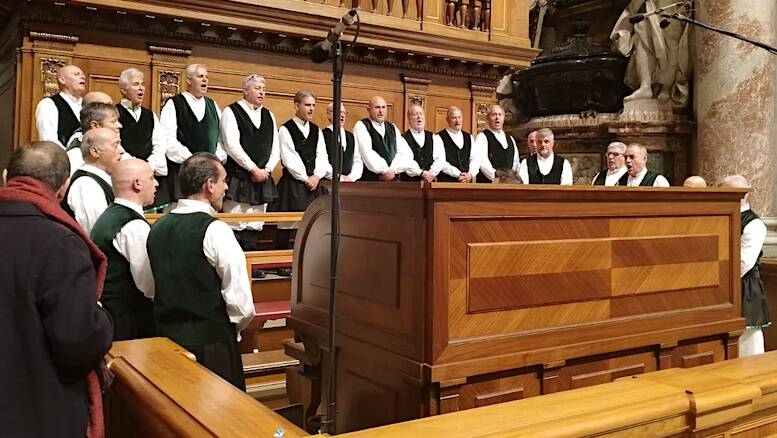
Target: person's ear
60, 193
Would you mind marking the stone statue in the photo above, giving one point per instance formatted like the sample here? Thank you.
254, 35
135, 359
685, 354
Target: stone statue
659, 65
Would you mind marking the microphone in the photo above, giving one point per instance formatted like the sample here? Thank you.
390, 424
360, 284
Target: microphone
321, 49
636, 18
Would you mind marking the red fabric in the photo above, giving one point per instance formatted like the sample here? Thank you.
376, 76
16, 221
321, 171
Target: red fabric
30, 190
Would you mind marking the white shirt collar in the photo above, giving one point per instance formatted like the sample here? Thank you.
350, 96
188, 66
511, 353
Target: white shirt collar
186, 206
70, 97
618, 171
127, 104
378, 124
299, 121
247, 105
413, 131
192, 97
640, 174
500, 132
550, 157
129, 204
454, 133
97, 171
743, 208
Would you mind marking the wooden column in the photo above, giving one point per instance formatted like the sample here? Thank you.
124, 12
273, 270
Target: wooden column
483, 95
168, 70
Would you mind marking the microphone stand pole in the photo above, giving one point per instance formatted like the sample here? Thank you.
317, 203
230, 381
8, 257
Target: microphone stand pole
685, 19
328, 422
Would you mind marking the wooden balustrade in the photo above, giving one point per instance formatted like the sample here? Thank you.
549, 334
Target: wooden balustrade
274, 217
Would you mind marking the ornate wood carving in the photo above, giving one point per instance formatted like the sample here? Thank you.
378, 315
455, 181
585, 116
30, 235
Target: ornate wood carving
48, 74
53, 41
169, 85
169, 54
416, 90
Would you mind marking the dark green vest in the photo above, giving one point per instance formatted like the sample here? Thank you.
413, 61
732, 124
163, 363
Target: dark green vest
305, 147
136, 135
120, 294
188, 307
347, 156
553, 177
107, 189
197, 136
257, 143
422, 154
385, 146
647, 181
601, 178
67, 122
500, 157
459, 158
76, 143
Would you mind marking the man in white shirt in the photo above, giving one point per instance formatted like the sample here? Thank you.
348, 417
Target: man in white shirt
190, 122
57, 116
121, 233
141, 134
462, 159
203, 297
427, 147
545, 167
351, 161
250, 136
637, 172
497, 149
695, 181
532, 142
616, 166
90, 189
93, 115
384, 151
755, 308
304, 157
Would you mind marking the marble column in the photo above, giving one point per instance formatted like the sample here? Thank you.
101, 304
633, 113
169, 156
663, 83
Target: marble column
736, 97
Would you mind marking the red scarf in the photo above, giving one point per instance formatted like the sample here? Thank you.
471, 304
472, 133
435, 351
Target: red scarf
30, 190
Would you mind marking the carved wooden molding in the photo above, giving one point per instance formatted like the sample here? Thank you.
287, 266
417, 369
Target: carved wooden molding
482, 89
414, 99
53, 41
169, 85
48, 74
415, 80
481, 114
171, 55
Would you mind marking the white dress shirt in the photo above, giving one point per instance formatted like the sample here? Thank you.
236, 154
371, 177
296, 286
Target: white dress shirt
230, 137
358, 166
612, 177
291, 159
130, 242
438, 150
225, 255
403, 161
157, 159
545, 166
47, 117
474, 155
175, 150
753, 237
634, 181
481, 144
87, 199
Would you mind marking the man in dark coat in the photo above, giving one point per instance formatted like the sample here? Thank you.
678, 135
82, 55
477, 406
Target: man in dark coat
54, 332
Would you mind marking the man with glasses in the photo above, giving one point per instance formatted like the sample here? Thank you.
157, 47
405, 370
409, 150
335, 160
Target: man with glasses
545, 167
616, 165
638, 173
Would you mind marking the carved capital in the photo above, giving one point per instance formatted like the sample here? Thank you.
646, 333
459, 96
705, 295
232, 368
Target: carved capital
169, 85
53, 41
482, 89
48, 74
170, 55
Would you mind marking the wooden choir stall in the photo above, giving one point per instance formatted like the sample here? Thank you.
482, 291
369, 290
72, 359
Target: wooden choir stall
452, 296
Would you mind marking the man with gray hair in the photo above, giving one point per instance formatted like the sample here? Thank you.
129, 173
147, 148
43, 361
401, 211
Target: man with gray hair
90, 189
545, 167
141, 134
56, 116
462, 159
497, 149
427, 147
637, 173
616, 165
755, 308
249, 134
97, 114
695, 181
351, 168
190, 121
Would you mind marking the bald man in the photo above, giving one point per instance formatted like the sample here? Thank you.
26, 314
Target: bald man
498, 150
121, 233
461, 156
695, 181
352, 166
90, 189
637, 173
755, 308
384, 151
56, 116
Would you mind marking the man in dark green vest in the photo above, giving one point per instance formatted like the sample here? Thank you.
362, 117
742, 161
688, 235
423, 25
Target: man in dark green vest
121, 233
95, 114
545, 167
384, 151
637, 173
190, 121
203, 298
427, 147
56, 116
755, 308
462, 158
141, 134
498, 149
90, 190
352, 166
250, 136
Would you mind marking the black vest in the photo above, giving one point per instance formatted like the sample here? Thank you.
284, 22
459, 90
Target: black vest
305, 147
67, 122
647, 181
257, 143
459, 158
500, 157
553, 177
136, 135
422, 154
347, 155
196, 135
107, 189
748, 216
385, 146
601, 178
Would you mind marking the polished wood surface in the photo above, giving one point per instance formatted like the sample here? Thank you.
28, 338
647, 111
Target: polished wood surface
456, 296
160, 392
272, 217
769, 277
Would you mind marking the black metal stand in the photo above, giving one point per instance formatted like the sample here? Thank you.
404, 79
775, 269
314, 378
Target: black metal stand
689, 20
328, 422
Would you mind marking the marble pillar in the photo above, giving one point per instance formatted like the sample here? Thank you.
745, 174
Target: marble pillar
736, 97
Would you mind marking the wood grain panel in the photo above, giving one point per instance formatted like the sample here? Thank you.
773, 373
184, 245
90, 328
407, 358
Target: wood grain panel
525, 258
647, 279
667, 301
605, 376
503, 293
674, 226
496, 388
664, 250
596, 370
378, 278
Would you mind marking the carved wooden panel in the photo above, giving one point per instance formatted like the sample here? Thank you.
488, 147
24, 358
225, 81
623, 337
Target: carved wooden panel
169, 85
106, 83
495, 388
48, 74
602, 369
